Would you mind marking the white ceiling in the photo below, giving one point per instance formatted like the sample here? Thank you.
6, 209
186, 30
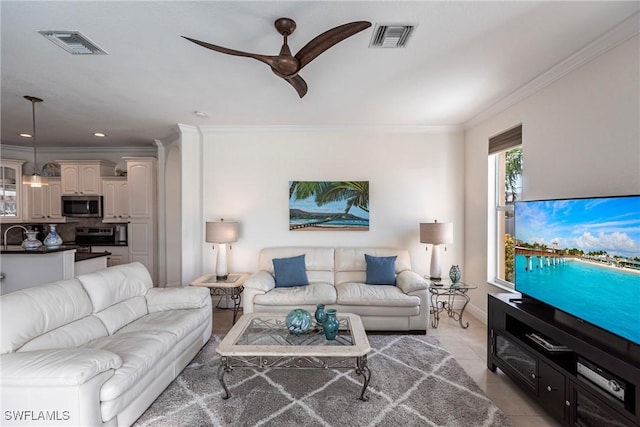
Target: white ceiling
463, 58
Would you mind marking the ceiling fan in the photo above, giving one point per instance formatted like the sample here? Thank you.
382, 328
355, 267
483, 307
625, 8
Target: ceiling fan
286, 65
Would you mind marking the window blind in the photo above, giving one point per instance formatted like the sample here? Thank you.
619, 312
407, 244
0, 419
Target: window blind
506, 140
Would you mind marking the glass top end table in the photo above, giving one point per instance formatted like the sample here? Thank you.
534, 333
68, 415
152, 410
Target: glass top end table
443, 298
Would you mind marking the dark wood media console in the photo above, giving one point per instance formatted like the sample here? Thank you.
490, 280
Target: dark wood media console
548, 369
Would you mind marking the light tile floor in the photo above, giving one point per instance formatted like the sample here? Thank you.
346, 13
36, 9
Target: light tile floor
469, 347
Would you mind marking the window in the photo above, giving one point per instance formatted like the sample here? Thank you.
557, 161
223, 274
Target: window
505, 187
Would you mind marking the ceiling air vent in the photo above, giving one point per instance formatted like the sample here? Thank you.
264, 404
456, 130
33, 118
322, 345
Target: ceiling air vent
391, 35
73, 42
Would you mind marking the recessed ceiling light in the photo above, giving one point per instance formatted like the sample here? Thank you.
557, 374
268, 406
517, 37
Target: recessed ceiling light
26, 135
99, 134
200, 114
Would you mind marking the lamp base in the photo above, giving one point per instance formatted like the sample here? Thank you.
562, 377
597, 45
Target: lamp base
222, 278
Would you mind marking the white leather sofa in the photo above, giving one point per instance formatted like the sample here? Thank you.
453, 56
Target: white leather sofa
98, 349
337, 279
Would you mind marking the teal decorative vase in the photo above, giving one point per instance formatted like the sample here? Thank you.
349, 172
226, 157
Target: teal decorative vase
319, 314
298, 321
454, 274
330, 324
53, 239
31, 243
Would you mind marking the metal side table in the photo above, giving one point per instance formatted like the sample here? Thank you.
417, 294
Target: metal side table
232, 287
443, 298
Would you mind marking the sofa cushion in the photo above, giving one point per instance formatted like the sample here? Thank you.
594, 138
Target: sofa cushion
71, 335
353, 293
314, 293
179, 322
117, 293
290, 271
62, 367
380, 270
139, 351
161, 299
115, 284
36, 311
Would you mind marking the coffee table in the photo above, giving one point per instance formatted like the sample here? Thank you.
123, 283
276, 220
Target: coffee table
262, 340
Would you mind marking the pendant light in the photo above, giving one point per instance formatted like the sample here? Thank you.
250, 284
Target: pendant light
36, 179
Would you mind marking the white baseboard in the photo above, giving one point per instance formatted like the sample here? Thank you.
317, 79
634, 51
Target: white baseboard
477, 313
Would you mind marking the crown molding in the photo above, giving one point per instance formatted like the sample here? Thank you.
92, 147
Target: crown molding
622, 32
333, 128
124, 151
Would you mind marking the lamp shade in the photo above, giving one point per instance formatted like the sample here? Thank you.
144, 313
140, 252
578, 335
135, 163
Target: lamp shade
222, 232
436, 233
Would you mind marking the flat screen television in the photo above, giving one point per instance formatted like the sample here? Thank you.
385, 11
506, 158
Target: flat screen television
582, 257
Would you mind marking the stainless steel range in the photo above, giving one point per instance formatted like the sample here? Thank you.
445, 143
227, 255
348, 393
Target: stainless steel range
88, 236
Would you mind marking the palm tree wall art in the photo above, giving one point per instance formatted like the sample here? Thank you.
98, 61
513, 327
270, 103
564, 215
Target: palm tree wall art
329, 205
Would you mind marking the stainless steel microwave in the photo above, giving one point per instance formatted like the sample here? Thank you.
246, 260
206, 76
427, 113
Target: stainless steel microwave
82, 206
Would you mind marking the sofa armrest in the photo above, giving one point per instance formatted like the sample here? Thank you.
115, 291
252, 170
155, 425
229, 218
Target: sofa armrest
410, 281
261, 281
63, 367
162, 299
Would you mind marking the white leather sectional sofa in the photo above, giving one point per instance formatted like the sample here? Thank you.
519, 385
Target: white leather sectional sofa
337, 279
98, 349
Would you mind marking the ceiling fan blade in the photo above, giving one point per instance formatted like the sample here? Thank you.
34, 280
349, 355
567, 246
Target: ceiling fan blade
269, 60
328, 39
298, 84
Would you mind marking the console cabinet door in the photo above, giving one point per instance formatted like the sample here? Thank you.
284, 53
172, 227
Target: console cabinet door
586, 409
518, 361
551, 390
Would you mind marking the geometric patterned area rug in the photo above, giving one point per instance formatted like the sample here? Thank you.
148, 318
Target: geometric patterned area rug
414, 382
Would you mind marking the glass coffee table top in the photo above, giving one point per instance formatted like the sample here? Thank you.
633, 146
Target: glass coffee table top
273, 331
266, 334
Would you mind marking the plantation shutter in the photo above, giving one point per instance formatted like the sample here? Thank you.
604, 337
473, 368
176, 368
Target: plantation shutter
508, 139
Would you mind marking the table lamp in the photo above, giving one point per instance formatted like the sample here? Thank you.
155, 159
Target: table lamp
436, 233
222, 233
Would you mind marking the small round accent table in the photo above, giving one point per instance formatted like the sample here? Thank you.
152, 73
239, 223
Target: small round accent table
231, 287
443, 298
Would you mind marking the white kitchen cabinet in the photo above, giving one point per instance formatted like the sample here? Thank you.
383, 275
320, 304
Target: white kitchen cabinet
141, 175
11, 191
143, 225
24, 270
115, 192
89, 266
84, 177
44, 203
119, 254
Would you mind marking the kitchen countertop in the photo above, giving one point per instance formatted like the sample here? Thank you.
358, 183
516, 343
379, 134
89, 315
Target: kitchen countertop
83, 256
79, 256
17, 249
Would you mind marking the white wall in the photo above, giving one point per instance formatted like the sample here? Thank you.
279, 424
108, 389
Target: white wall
414, 176
580, 138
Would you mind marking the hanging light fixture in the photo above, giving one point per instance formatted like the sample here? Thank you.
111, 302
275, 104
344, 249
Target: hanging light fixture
36, 178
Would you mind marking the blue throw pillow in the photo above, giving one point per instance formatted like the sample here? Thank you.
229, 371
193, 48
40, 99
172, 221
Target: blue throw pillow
290, 272
380, 270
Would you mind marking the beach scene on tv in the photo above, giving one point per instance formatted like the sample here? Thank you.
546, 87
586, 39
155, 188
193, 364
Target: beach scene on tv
583, 257
329, 205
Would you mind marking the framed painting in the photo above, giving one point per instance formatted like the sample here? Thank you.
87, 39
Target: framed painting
329, 205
